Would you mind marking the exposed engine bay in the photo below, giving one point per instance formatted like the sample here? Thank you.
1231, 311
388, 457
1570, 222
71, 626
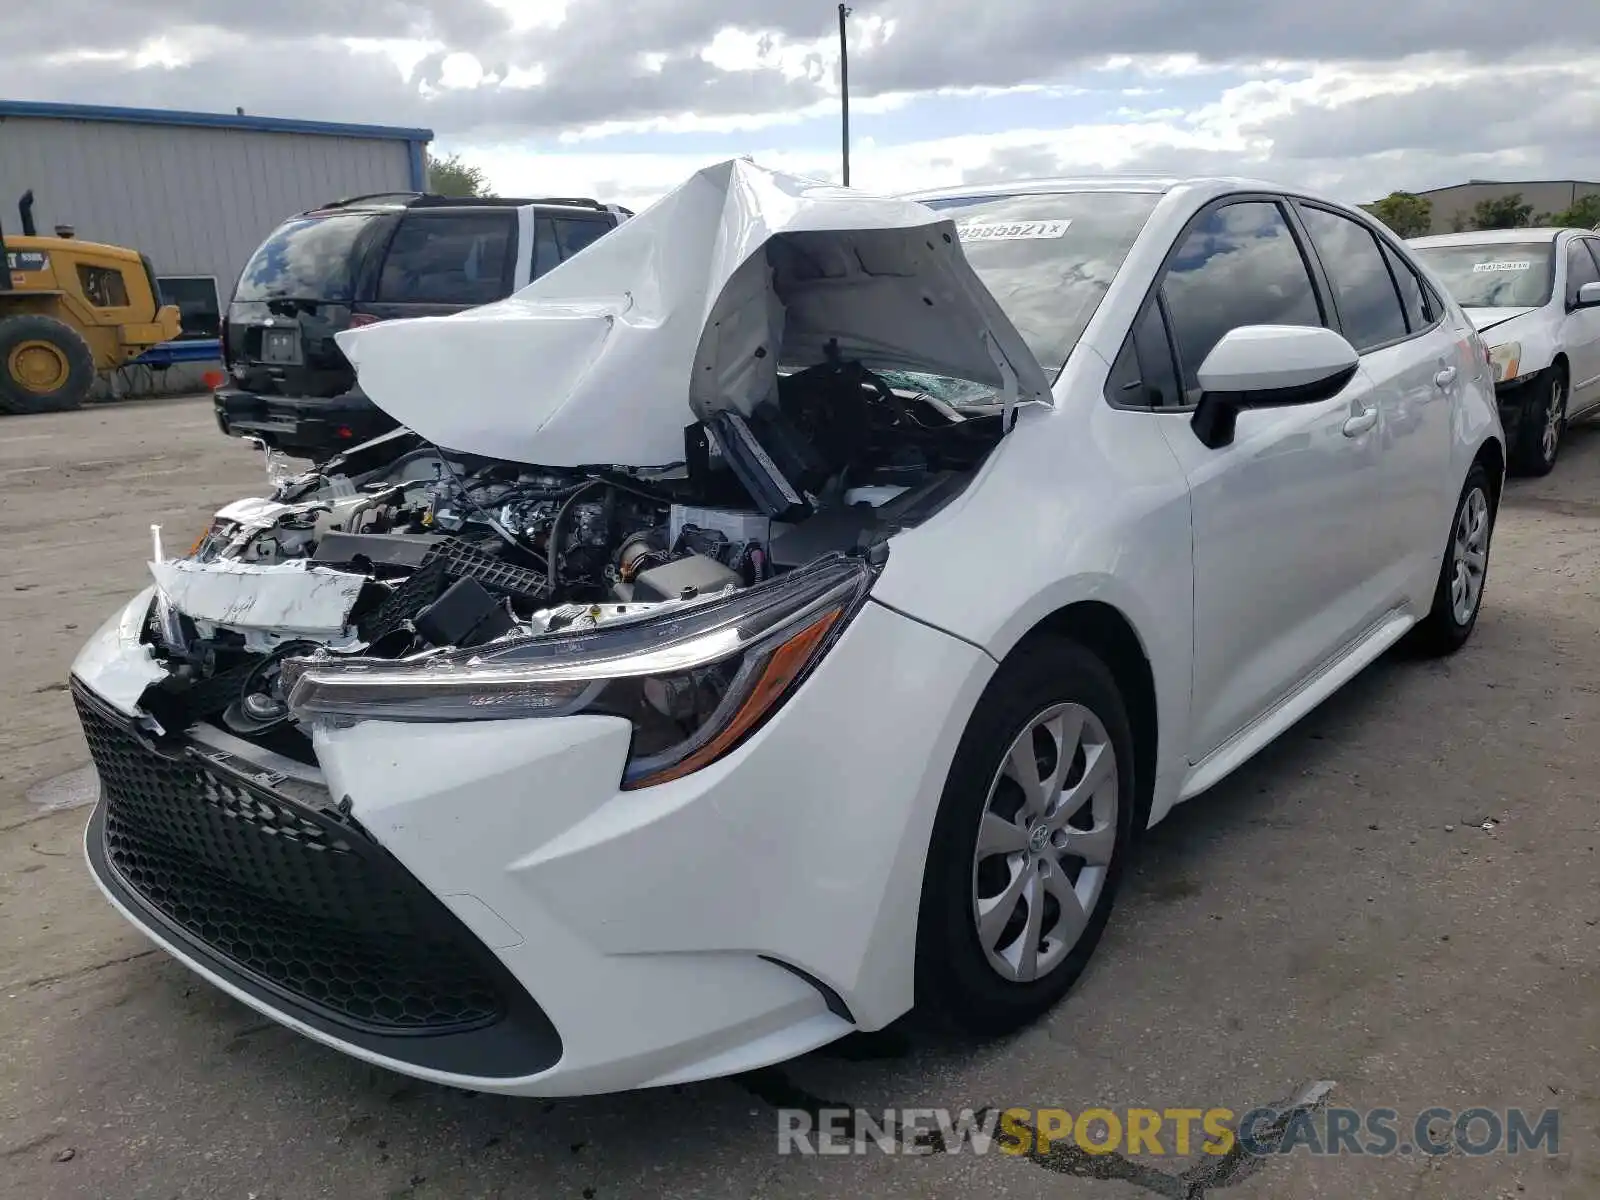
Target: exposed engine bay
399, 550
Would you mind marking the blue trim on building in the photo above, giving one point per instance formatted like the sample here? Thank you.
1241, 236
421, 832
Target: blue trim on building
170, 353
419, 165
163, 116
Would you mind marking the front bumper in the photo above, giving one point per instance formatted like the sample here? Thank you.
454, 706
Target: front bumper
258, 877
739, 916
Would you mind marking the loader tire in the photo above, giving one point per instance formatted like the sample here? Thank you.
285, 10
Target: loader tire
45, 365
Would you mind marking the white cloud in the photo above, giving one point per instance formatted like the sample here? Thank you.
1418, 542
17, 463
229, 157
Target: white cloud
405, 53
533, 14
460, 70
1354, 130
1354, 99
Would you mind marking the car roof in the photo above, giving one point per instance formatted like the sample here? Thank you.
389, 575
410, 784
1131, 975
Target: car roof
396, 201
1484, 237
1149, 184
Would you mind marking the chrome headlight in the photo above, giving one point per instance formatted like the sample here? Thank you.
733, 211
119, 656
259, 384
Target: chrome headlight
1506, 361
694, 681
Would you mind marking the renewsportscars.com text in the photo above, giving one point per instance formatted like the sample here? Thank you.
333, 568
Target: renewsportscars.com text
1176, 1132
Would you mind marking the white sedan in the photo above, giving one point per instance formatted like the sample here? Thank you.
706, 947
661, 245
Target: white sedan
791, 609
1534, 294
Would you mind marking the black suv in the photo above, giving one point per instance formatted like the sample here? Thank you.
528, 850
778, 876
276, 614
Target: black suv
372, 258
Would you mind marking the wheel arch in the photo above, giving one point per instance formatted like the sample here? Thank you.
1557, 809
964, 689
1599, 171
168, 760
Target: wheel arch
34, 304
1492, 457
1107, 632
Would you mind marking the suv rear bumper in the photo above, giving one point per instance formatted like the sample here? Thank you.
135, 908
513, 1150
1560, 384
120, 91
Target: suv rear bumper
304, 426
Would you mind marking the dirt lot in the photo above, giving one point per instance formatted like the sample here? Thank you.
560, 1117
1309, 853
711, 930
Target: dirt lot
1336, 911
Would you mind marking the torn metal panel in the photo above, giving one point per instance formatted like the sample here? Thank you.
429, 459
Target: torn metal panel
254, 512
115, 664
293, 598
688, 309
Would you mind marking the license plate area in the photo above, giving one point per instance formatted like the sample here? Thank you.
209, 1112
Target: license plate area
280, 347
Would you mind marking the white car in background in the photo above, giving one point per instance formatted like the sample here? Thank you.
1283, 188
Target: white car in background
793, 608
1534, 294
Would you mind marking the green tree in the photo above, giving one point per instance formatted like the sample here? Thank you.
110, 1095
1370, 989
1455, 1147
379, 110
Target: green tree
1409, 215
1585, 214
1503, 212
450, 176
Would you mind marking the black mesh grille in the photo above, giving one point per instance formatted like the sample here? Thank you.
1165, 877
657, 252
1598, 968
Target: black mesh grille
286, 892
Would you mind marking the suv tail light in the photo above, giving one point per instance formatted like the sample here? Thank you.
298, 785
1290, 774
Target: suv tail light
357, 320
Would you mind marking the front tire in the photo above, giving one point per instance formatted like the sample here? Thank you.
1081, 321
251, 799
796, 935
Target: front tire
1464, 573
45, 365
1033, 831
1542, 423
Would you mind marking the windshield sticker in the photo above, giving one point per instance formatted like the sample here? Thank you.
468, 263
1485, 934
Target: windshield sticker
1011, 231
1514, 265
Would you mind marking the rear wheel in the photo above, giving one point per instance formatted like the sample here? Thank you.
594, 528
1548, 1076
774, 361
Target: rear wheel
1035, 823
45, 365
1542, 423
1458, 595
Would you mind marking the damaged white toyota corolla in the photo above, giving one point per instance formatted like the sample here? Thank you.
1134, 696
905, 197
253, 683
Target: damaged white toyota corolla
789, 609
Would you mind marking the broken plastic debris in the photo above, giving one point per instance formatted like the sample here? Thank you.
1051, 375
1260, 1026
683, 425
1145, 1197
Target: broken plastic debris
289, 598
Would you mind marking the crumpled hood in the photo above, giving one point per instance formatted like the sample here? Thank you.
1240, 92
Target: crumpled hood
690, 308
1484, 318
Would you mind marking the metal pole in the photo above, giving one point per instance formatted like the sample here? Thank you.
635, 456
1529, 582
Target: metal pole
844, 89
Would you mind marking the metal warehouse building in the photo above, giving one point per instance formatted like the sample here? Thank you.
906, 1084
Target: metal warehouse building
1452, 206
197, 192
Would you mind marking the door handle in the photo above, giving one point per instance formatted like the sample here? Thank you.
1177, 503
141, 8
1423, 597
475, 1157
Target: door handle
1445, 377
1360, 423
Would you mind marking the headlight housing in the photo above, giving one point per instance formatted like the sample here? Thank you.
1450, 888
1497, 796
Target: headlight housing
694, 680
1506, 361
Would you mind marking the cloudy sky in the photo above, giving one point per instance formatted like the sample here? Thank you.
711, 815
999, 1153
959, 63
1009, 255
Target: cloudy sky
622, 98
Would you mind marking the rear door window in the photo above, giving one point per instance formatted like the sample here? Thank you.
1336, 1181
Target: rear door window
449, 258
1363, 291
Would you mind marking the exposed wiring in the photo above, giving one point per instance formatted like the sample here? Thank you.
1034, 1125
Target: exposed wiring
492, 522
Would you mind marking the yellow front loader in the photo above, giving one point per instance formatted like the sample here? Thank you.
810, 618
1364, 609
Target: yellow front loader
69, 310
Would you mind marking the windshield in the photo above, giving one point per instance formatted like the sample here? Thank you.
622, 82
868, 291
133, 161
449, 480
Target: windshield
1049, 258
308, 258
1494, 274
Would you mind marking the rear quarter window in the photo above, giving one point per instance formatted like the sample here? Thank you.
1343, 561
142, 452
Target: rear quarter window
307, 258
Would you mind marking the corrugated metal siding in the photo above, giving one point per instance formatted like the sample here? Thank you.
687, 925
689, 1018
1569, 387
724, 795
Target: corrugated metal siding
1455, 204
197, 201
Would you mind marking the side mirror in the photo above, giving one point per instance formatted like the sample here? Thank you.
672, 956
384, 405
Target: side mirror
1268, 366
1588, 296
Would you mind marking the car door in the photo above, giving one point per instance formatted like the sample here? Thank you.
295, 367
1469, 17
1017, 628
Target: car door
445, 261
1416, 367
1581, 331
1285, 558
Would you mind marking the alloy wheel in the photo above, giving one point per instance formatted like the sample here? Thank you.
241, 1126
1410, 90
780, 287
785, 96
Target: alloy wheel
1469, 555
1047, 833
1555, 414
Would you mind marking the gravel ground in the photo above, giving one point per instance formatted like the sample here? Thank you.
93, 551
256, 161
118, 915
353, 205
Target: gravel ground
1402, 897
